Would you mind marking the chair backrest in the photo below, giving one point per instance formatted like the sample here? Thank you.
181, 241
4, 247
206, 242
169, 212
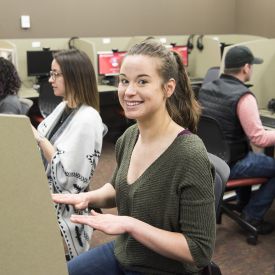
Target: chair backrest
26, 104
47, 100
212, 74
222, 173
221, 176
212, 136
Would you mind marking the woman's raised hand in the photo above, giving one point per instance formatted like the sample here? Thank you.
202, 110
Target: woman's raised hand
79, 201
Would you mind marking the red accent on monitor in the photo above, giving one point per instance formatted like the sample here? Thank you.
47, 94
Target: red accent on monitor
183, 51
109, 62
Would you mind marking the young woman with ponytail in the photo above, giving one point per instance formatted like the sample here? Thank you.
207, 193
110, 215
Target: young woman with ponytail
163, 183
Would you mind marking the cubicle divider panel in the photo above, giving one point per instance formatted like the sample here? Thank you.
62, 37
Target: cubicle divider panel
8, 51
30, 238
135, 40
6, 44
87, 46
235, 38
200, 60
165, 39
110, 43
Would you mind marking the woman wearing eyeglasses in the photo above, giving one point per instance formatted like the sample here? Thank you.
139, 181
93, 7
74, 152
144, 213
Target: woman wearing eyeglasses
70, 139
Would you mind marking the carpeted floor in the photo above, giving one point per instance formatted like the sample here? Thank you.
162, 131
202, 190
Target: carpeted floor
232, 253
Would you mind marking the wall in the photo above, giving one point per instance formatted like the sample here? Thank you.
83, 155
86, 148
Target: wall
99, 18
256, 17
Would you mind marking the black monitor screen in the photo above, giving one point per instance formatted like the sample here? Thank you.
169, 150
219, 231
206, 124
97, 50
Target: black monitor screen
109, 62
39, 62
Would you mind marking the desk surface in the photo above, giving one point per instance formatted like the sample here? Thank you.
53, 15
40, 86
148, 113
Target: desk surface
28, 92
106, 88
196, 80
266, 113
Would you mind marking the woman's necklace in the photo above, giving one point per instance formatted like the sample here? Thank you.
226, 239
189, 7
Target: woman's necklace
65, 114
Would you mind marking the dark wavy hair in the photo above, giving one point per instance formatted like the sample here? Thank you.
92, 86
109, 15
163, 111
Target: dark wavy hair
9, 79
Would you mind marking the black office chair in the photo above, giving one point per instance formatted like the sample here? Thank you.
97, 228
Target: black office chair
46, 103
222, 172
47, 100
212, 74
211, 134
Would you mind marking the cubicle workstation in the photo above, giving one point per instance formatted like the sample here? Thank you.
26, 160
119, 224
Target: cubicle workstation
205, 52
22, 47
200, 52
9, 50
33, 62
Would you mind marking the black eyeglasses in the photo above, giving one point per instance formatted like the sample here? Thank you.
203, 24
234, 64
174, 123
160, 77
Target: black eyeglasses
55, 75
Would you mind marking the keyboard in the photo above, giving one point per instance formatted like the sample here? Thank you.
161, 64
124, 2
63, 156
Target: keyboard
268, 121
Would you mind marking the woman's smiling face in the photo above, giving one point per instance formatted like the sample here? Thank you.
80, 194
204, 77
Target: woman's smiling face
140, 88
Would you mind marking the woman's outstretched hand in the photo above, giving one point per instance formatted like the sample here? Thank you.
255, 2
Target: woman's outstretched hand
79, 201
107, 223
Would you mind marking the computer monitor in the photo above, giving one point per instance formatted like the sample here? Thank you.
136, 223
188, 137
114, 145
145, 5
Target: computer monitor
39, 62
183, 51
109, 62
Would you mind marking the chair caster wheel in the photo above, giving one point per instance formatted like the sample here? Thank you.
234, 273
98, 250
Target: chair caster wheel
252, 240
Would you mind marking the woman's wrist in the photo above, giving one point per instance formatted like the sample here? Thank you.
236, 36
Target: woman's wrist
88, 199
39, 139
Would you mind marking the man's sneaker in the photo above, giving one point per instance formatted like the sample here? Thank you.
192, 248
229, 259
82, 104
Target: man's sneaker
262, 226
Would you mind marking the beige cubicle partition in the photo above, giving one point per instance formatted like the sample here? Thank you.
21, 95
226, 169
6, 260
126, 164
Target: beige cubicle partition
235, 38
263, 77
109, 43
8, 51
135, 40
201, 60
165, 39
31, 243
88, 47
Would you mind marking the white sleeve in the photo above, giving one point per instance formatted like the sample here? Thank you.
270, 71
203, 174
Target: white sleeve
77, 155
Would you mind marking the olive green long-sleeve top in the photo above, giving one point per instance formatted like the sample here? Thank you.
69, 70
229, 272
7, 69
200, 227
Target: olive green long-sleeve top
175, 193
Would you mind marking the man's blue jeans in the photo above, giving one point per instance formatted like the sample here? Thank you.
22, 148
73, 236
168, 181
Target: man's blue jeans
257, 165
98, 261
